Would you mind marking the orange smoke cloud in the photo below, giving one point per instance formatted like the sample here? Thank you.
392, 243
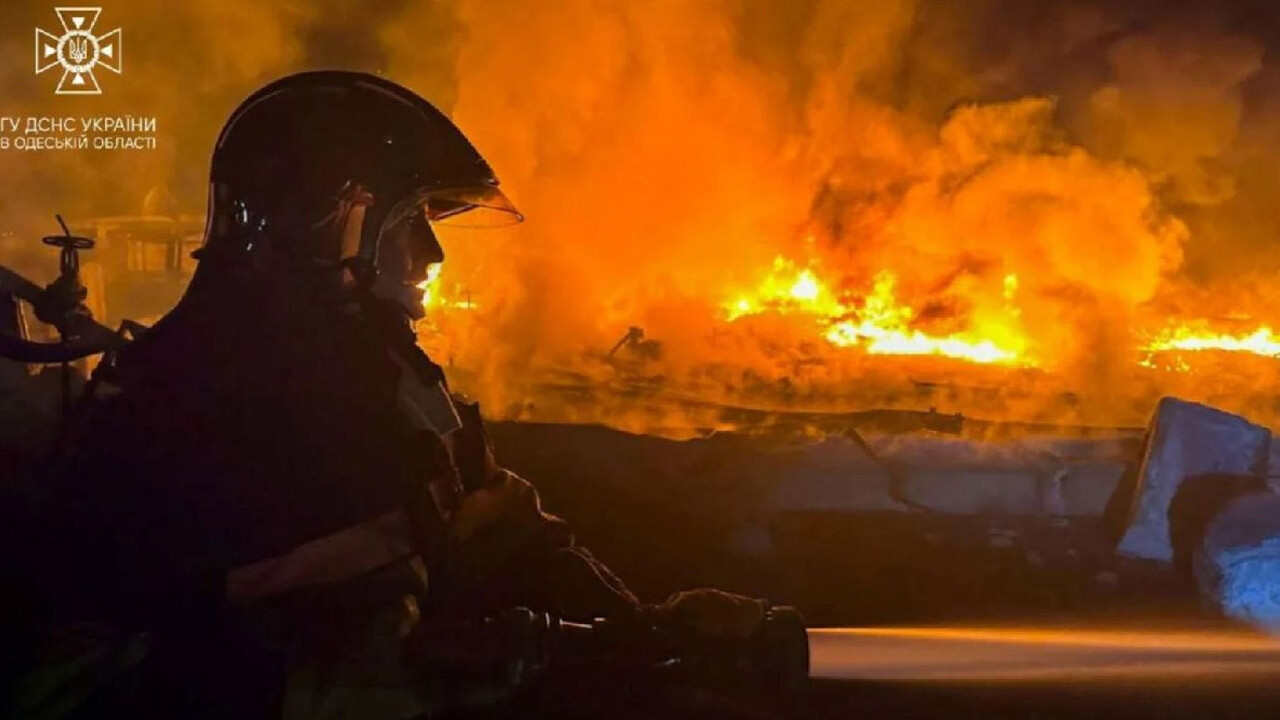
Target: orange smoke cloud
776, 195
674, 185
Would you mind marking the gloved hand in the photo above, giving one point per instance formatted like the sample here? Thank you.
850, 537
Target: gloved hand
712, 613
507, 500
499, 533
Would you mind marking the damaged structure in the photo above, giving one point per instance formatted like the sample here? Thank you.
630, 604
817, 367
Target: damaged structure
1203, 498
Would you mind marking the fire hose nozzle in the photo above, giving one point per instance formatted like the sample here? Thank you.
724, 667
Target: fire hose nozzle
772, 663
782, 643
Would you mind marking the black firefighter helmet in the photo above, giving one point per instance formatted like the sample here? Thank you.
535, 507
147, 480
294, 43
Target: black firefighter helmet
300, 154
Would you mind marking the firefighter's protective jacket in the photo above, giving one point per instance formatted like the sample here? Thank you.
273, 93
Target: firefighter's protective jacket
246, 477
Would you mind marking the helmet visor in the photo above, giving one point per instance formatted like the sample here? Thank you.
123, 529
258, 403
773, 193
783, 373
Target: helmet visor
478, 206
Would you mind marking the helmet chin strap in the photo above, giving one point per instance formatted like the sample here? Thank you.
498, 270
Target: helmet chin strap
352, 208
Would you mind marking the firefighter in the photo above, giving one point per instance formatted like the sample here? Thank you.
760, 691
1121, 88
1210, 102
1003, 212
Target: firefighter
273, 490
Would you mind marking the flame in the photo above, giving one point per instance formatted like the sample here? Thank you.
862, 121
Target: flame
787, 289
431, 286
879, 325
434, 296
1186, 338
1003, 234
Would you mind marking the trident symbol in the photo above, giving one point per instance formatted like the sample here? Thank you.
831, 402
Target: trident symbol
78, 49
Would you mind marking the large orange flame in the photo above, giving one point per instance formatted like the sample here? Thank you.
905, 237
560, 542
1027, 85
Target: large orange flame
879, 324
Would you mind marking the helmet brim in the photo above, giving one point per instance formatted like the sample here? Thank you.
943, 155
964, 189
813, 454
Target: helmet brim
478, 206
474, 206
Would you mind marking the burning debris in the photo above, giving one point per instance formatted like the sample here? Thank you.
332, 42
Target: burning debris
1259, 342
877, 323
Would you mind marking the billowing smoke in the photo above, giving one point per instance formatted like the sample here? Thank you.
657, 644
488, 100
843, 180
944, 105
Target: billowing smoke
1069, 155
1059, 179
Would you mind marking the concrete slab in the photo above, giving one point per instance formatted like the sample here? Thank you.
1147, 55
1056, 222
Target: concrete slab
1184, 440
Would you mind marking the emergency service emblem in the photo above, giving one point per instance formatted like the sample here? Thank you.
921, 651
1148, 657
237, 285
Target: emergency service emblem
78, 51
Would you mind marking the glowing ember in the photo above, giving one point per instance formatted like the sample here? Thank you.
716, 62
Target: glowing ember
879, 324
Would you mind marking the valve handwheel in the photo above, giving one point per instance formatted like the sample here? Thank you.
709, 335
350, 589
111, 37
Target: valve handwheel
60, 304
71, 245
68, 241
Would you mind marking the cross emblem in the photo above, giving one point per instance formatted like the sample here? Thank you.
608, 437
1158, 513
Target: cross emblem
78, 51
